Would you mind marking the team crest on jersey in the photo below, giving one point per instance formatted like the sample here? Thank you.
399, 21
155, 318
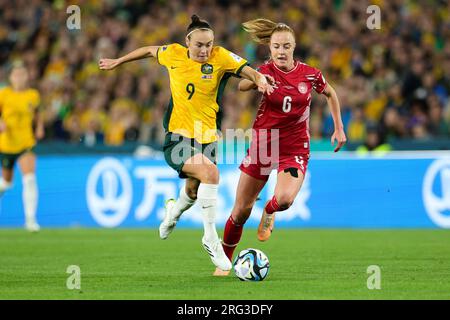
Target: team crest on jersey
207, 68
302, 88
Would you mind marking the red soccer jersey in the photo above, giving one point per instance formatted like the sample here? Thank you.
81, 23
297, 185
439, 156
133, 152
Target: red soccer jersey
287, 108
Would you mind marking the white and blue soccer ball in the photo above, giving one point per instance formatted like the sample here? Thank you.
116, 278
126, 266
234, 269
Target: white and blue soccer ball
251, 265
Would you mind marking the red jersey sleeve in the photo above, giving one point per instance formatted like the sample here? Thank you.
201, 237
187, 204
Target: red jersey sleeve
262, 68
319, 83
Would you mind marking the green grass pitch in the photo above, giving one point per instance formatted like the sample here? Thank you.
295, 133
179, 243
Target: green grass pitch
305, 264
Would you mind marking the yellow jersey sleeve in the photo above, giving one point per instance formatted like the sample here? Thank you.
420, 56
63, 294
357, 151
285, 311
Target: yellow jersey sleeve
166, 53
2, 93
35, 98
231, 62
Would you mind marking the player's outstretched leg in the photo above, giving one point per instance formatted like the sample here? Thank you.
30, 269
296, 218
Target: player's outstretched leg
268, 219
207, 197
204, 170
168, 223
173, 211
246, 194
289, 182
231, 237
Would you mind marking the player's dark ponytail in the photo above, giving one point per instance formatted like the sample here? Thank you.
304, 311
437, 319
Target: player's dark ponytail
197, 23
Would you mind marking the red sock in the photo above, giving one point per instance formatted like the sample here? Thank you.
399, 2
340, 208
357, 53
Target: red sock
231, 236
272, 206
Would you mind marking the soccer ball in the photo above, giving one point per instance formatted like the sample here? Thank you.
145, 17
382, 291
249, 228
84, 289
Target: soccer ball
251, 265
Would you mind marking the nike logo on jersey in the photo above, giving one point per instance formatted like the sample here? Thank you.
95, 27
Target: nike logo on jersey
206, 207
172, 67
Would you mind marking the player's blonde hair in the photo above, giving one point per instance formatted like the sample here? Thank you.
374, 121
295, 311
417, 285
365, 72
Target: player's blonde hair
261, 30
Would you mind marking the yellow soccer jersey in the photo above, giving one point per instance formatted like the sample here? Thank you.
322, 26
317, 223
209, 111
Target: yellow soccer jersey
197, 88
17, 110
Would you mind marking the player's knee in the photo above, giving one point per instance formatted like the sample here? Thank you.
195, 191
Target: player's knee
210, 174
241, 213
285, 201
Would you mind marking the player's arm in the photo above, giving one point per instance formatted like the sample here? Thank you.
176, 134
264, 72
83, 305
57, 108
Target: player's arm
258, 79
141, 53
335, 108
2, 123
246, 85
39, 119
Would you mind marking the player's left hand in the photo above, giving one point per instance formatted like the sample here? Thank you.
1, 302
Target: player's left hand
338, 135
108, 64
264, 86
271, 81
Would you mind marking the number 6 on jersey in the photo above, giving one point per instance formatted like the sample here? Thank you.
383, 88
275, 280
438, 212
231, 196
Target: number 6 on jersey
287, 104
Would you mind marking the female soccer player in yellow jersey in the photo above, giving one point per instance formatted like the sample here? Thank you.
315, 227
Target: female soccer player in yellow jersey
198, 75
18, 110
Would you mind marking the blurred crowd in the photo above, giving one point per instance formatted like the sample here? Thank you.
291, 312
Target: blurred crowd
394, 80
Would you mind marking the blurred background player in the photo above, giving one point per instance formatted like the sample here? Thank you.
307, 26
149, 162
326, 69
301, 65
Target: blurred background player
287, 111
198, 75
18, 110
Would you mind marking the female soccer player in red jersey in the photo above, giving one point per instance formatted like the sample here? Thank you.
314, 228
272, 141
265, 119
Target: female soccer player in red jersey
280, 132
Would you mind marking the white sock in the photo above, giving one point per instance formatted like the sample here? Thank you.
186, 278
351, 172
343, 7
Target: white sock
30, 197
207, 198
183, 203
4, 186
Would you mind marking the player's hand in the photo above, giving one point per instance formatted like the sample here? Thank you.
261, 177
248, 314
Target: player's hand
271, 81
108, 64
338, 135
2, 126
264, 86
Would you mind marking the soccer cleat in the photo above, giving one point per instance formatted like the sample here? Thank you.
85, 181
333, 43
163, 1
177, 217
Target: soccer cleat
266, 226
218, 256
221, 273
32, 227
168, 223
